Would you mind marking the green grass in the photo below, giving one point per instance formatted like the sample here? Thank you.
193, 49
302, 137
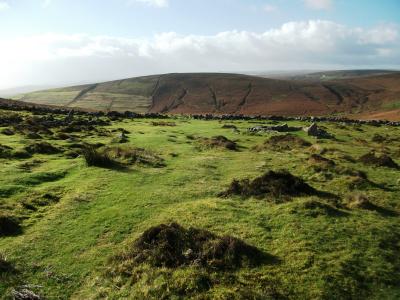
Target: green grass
67, 246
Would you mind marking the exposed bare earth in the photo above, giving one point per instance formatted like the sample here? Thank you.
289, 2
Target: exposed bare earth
368, 97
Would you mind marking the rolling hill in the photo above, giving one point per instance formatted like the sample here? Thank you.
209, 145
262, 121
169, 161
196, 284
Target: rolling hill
358, 94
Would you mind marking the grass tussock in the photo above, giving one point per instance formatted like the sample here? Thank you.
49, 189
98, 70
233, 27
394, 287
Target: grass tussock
120, 156
134, 155
42, 148
5, 265
96, 158
174, 246
5, 151
383, 160
277, 184
217, 142
320, 163
163, 123
315, 208
9, 225
283, 142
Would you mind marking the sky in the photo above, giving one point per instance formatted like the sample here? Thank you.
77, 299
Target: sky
62, 42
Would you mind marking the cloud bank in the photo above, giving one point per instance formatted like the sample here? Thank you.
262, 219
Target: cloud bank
4, 6
60, 59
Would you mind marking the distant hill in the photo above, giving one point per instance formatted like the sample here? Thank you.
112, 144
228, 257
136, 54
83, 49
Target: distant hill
195, 93
337, 75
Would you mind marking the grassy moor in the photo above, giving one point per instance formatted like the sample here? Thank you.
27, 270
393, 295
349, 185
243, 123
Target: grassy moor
97, 206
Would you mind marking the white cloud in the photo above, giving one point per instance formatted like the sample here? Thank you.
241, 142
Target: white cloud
57, 59
270, 8
319, 4
155, 3
4, 6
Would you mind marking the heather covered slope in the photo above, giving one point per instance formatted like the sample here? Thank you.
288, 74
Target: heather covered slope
201, 93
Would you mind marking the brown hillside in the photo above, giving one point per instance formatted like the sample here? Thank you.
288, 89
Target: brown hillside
215, 93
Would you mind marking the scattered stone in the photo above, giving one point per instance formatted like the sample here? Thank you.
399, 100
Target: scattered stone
278, 128
23, 293
316, 131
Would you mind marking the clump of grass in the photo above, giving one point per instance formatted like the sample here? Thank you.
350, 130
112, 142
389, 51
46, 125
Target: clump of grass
229, 126
42, 148
320, 163
377, 138
163, 123
36, 201
378, 161
315, 208
9, 225
5, 151
283, 142
272, 183
217, 142
96, 158
8, 131
134, 155
174, 246
5, 265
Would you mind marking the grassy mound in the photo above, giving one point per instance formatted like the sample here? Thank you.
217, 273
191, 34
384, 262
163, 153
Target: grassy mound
315, 208
5, 265
134, 155
97, 158
42, 148
5, 151
174, 246
9, 225
163, 123
119, 156
217, 142
283, 142
272, 183
378, 161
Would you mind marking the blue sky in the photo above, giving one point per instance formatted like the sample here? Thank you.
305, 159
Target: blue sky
138, 19
88, 40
